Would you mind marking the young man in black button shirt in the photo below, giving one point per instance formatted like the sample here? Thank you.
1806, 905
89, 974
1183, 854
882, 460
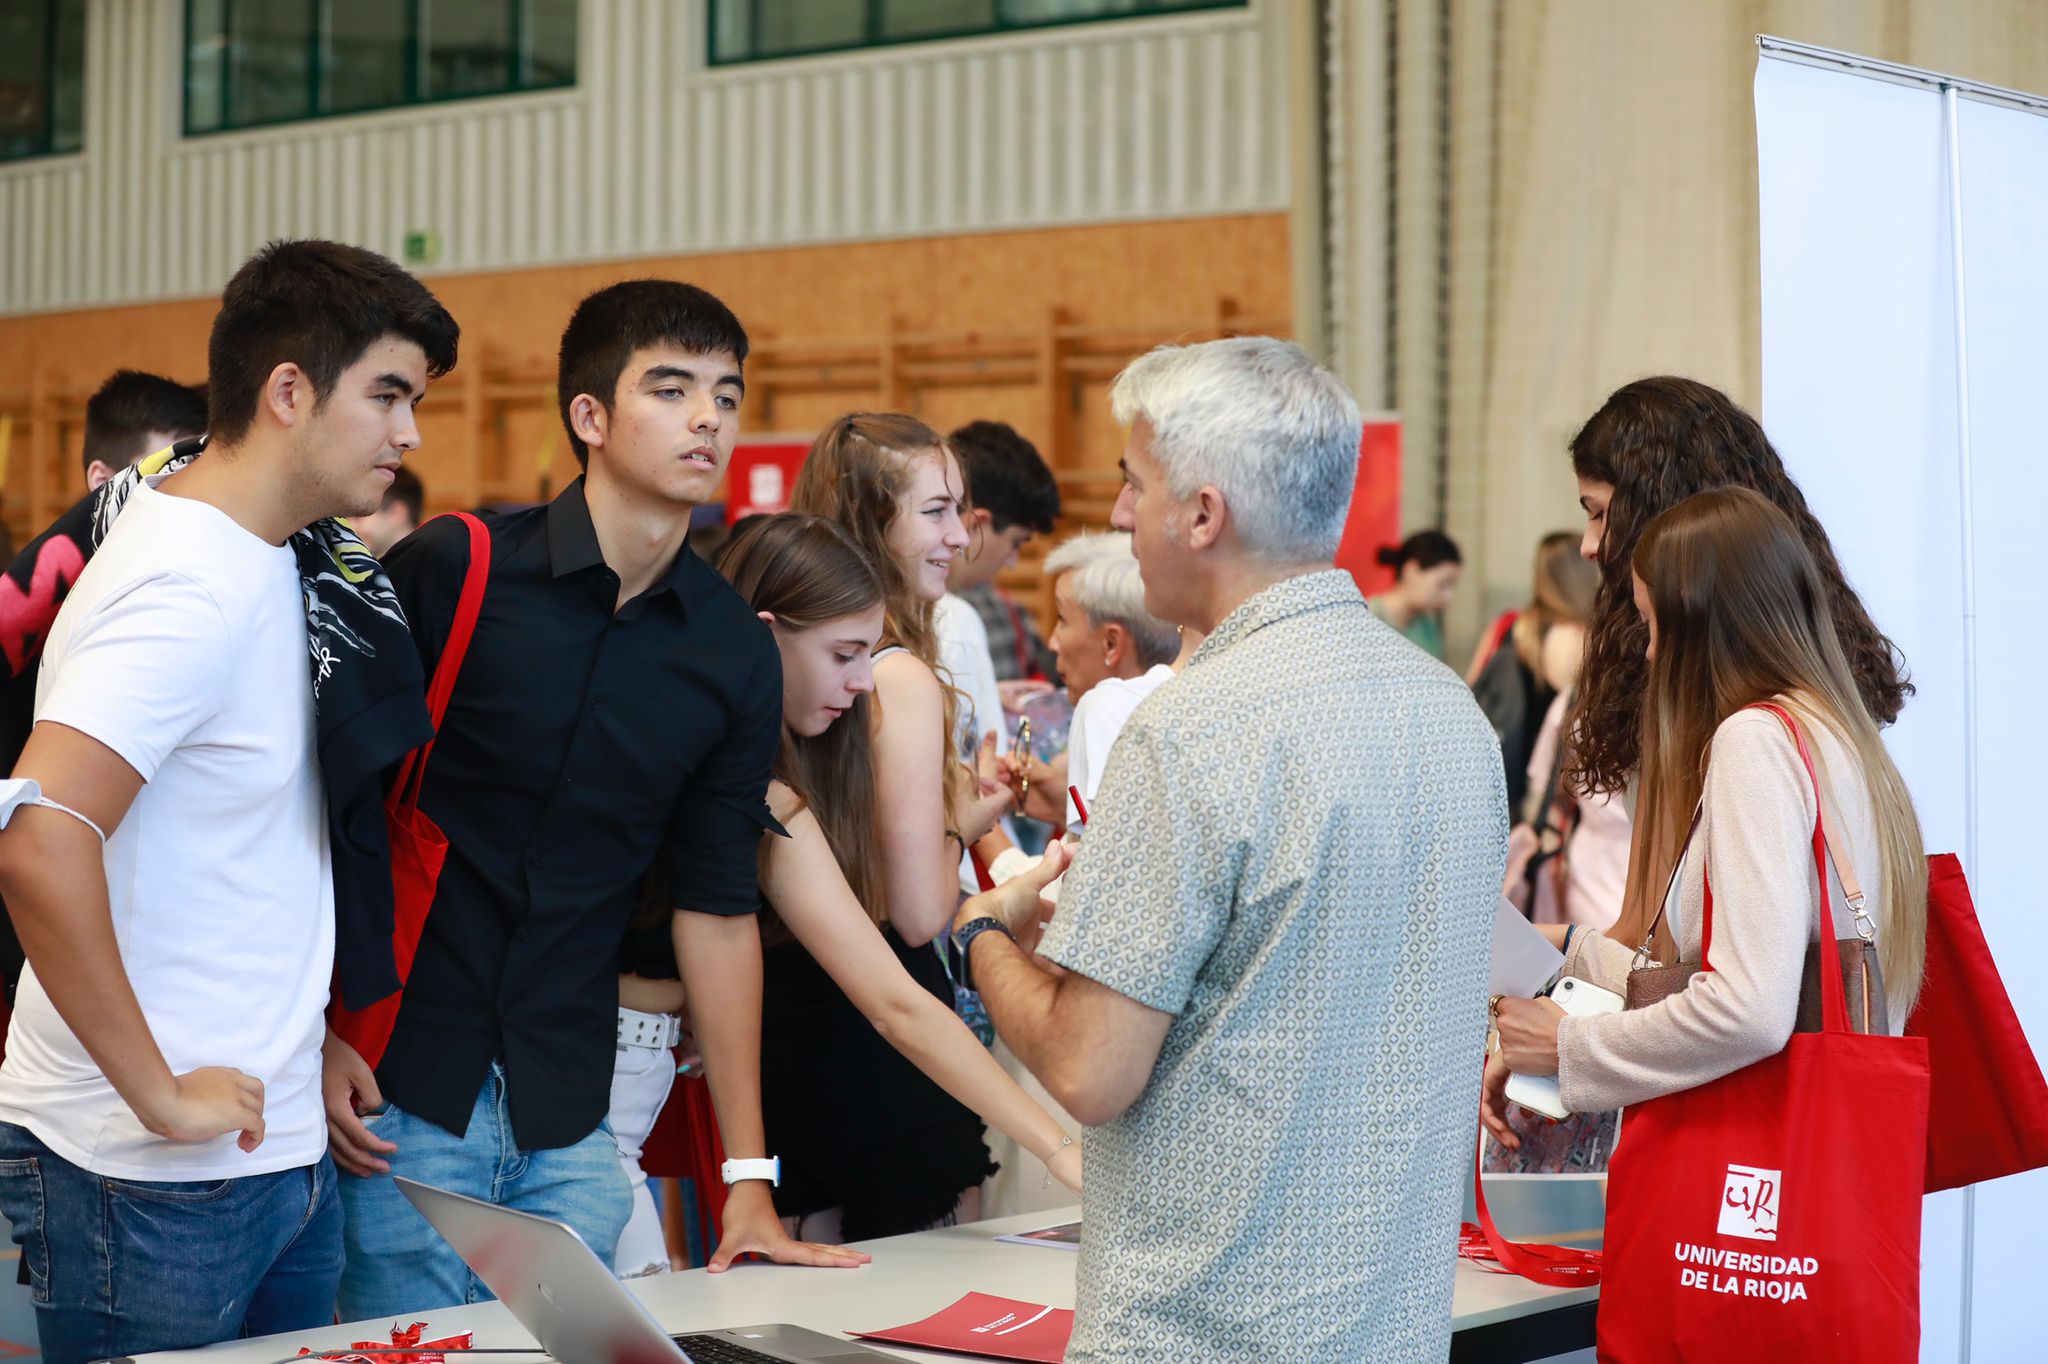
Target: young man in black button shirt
618, 710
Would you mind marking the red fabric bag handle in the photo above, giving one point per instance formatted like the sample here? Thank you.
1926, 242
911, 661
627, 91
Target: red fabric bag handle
412, 772
1834, 996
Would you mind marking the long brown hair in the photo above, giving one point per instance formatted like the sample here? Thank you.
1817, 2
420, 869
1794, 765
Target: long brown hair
806, 571
1743, 615
1658, 441
1562, 595
858, 474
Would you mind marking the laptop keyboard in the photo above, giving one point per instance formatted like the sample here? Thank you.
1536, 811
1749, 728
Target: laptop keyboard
719, 1350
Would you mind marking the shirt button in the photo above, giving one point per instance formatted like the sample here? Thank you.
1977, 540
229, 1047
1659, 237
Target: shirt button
533, 859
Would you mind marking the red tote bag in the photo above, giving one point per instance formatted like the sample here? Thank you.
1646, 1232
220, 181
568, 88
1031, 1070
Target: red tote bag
418, 848
1774, 1213
1990, 1107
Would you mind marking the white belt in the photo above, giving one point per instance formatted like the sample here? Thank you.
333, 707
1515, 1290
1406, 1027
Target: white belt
656, 1031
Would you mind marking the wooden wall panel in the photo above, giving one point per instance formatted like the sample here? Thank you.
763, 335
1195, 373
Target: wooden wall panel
1138, 283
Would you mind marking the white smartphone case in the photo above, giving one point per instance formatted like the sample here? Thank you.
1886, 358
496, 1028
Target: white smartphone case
1539, 1093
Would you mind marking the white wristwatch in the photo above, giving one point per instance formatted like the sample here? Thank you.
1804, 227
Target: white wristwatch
768, 1168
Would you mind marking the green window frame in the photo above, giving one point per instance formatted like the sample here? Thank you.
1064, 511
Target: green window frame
42, 85
307, 81
733, 34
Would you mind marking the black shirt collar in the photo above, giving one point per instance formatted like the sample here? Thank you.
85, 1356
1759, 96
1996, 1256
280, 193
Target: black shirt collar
573, 547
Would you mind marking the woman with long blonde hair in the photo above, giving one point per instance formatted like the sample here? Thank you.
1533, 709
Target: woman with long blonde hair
1737, 615
891, 482
892, 485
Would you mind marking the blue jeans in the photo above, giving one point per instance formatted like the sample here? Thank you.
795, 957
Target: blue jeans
120, 1266
397, 1263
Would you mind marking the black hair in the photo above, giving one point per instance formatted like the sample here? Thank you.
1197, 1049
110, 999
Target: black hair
407, 488
129, 406
319, 305
1425, 549
609, 325
1656, 442
1006, 475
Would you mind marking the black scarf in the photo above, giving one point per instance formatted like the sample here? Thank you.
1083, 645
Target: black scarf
369, 701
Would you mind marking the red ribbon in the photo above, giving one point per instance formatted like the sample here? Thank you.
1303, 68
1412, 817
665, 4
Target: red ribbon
407, 1339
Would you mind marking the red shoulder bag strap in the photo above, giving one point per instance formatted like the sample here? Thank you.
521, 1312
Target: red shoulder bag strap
1833, 994
412, 772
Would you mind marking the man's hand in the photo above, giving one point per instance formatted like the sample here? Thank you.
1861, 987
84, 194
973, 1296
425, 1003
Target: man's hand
1019, 901
348, 1086
751, 1227
207, 1103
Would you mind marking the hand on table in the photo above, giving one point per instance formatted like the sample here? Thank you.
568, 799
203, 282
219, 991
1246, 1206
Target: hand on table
752, 1228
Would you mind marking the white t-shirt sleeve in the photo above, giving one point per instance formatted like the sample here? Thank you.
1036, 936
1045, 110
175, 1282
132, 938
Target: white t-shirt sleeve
1083, 774
146, 667
963, 650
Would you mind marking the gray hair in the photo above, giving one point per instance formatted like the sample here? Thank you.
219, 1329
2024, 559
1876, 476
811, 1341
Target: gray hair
1107, 585
1259, 420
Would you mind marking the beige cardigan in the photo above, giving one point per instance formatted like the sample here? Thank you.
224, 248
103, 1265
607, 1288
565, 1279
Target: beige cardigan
1756, 830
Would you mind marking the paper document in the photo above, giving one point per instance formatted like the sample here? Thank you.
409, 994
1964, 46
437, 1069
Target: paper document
1065, 1236
1523, 959
992, 1327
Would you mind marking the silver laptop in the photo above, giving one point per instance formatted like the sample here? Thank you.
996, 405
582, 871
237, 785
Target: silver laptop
559, 1290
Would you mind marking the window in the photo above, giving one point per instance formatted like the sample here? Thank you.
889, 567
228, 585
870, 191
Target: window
42, 77
254, 62
759, 30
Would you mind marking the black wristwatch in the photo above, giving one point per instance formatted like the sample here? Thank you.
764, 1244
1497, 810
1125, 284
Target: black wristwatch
963, 941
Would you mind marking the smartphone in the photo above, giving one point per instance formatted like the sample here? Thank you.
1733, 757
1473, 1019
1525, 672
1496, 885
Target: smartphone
1538, 1093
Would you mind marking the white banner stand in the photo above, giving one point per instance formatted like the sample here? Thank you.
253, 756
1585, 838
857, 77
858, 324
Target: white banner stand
1904, 264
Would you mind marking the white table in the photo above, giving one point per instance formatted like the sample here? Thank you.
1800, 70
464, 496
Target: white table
912, 1277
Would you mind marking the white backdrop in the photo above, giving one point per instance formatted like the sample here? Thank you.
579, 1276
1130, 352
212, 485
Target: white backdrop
1886, 374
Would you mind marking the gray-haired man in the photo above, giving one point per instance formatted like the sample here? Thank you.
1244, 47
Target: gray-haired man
1275, 937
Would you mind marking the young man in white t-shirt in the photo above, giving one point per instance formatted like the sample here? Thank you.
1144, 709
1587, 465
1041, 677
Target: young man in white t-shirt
1013, 497
163, 1148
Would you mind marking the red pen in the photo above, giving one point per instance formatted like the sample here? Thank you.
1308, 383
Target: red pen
1080, 807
